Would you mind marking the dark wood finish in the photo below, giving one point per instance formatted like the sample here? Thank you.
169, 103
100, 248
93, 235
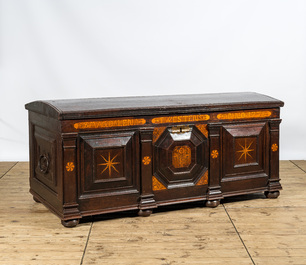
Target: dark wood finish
70, 223
212, 204
95, 156
144, 213
272, 194
36, 200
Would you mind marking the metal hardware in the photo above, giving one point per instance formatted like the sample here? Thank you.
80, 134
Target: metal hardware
180, 129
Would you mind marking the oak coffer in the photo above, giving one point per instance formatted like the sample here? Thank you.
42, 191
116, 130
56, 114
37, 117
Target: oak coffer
103, 155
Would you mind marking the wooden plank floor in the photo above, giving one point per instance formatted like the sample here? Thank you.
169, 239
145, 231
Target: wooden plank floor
242, 230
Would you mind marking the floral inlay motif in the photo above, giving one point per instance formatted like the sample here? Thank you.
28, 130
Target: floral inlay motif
70, 166
214, 153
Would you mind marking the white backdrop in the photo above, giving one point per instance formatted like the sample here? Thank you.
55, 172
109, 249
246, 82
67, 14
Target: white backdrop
74, 49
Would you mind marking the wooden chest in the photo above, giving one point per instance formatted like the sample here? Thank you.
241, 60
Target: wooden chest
95, 156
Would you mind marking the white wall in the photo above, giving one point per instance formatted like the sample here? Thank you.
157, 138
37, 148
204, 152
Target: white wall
74, 49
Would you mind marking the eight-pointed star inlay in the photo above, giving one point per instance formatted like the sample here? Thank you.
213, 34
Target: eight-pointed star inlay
245, 151
109, 164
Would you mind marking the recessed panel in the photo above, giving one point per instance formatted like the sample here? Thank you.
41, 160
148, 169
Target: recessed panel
45, 158
108, 162
244, 155
180, 156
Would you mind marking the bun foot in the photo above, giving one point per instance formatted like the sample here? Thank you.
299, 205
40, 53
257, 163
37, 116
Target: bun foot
144, 213
36, 200
212, 204
70, 223
272, 194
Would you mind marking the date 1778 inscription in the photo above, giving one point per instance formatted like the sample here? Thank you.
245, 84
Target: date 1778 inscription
244, 115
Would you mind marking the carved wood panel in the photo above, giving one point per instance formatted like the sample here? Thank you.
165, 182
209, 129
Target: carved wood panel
45, 157
245, 150
180, 158
108, 162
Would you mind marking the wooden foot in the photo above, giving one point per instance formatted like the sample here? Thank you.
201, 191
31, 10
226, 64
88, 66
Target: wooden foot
70, 223
212, 204
36, 200
272, 194
144, 213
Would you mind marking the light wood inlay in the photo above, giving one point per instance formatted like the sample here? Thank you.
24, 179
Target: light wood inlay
204, 179
70, 166
214, 154
157, 185
274, 147
146, 160
203, 129
108, 123
181, 156
245, 150
244, 115
179, 119
157, 132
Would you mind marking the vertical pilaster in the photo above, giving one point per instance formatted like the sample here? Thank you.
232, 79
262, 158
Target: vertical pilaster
215, 152
274, 179
146, 170
70, 190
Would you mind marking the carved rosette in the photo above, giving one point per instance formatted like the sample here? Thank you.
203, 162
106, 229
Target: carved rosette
43, 163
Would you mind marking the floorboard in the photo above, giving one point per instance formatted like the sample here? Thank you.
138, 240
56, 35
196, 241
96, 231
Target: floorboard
247, 229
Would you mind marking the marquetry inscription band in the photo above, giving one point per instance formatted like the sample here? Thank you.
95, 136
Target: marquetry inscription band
178, 119
110, 123
243, 115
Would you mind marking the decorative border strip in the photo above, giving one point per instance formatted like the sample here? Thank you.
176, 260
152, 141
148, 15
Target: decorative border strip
178, 119
126, 122
244, 115
108, 123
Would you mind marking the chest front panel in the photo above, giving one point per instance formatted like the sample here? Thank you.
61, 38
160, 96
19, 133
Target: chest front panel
103, 160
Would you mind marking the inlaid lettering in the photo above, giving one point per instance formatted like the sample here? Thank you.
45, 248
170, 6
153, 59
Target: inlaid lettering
244, 115
179, 119
108, 123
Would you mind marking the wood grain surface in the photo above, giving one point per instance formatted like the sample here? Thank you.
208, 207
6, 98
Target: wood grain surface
247, 229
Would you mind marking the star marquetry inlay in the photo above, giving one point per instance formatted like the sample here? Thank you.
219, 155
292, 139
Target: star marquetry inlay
109, 164
245, 151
